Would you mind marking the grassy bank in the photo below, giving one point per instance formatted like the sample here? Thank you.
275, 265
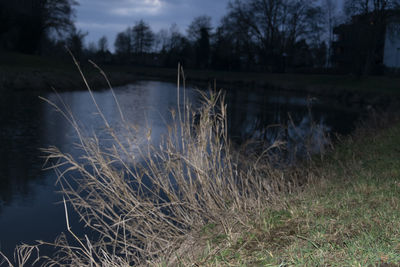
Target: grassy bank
35, 73
317, 83
19, 71
197, 200
349, 214
342, 210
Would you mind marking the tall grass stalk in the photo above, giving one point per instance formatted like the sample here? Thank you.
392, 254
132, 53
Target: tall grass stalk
150, 208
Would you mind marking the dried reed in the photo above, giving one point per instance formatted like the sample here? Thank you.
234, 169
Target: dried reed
148, 209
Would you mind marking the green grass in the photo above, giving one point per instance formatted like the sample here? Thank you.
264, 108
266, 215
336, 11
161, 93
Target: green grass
324, 84
12, 61
32, 72
346, 215
317, 83
350, 215
336, 85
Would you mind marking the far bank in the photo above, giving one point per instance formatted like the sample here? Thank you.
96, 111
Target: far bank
34, 73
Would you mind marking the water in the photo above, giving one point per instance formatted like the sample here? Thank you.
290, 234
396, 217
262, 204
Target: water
30, 208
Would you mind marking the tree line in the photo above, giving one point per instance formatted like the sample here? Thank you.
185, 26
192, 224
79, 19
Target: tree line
28, 26
253, 35
258, 35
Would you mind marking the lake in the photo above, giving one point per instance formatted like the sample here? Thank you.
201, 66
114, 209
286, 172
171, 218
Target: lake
30, 207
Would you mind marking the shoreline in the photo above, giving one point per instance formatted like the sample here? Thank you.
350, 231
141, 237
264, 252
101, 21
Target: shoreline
346, 215
332, 213
378, 92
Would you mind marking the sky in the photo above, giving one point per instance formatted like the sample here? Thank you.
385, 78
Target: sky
108, 17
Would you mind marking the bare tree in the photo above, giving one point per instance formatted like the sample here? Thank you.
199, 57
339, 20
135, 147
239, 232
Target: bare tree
275, 26
75, 42
199, 33
92, 48
142, 37
103, 44
330, 8
176, 38
28, 23
354, 7
123, 42
198, 24
161, 40
168, 40
377, 7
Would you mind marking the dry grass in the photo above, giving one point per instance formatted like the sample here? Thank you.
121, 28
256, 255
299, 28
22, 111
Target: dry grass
152, 208
347, 216
195, 200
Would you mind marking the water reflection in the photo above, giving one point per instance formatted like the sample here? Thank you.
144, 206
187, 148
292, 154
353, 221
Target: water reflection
20, 137
27, 123
295, 119
144, 106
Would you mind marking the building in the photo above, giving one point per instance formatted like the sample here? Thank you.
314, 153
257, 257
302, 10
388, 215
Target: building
391, 56
368, 44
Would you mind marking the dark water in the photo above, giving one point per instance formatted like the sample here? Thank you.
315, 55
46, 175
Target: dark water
30, 208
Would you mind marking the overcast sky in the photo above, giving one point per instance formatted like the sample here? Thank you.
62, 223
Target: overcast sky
108, 17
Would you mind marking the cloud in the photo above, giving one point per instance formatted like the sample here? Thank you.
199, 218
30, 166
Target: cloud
134, 7
100, 26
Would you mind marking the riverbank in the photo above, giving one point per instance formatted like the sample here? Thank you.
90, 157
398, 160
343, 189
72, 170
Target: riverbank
23, 72
294, 216
33, 73
348, 215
